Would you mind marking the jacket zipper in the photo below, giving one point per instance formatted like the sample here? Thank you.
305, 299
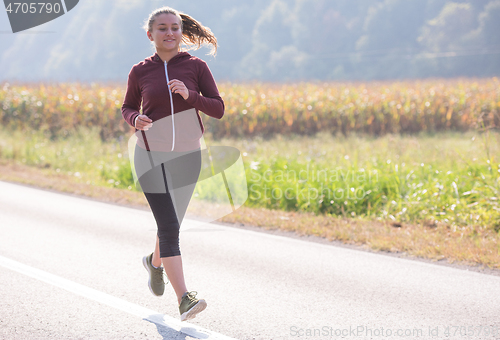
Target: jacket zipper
171, 108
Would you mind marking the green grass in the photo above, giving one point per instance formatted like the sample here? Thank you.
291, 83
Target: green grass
450, 178
453, 178
82, 154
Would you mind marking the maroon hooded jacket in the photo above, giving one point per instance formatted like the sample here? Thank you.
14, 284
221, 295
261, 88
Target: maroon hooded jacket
147, 83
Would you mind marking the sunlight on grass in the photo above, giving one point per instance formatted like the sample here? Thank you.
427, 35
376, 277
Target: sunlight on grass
81, 154
448, 178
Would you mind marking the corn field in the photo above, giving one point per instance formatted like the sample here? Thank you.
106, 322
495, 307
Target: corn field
266, 109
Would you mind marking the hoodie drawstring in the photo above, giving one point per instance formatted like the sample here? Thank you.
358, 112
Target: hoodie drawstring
171, 108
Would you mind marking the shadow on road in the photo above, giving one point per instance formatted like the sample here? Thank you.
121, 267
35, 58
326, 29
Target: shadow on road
169, 333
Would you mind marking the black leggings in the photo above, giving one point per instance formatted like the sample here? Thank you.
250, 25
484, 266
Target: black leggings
168, 180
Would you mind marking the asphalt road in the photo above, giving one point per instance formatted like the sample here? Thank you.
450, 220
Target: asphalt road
70, 268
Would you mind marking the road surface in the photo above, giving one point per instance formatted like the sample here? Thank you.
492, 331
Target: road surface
70, 268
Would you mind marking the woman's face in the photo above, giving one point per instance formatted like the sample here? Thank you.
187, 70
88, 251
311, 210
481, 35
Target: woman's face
167, 34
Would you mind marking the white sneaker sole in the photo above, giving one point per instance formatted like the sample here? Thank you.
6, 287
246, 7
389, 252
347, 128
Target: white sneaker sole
191, 314
145, 263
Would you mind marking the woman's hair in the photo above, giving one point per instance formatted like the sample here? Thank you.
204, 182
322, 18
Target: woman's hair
193, 32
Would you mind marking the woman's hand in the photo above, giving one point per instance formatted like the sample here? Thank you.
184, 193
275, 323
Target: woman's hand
177, 86
143, 122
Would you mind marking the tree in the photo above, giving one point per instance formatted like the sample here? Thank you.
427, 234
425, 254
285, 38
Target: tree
448, 31
489, 27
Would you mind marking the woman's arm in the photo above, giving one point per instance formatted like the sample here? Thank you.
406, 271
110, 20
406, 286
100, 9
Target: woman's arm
133, 98
210, 102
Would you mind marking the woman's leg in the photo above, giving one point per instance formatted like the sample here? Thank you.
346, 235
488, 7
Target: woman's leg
175, 273
169, 208
156, 261
183, 172
154, 186
173, 269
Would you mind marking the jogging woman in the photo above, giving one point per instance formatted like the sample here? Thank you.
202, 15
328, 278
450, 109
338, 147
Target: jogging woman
167, 156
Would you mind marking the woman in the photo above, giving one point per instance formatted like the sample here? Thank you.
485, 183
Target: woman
167, 156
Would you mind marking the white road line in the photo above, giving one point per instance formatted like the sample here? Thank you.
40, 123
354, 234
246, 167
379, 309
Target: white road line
123, 305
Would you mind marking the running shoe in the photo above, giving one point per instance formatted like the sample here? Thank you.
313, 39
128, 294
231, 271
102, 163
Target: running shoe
156, 283
190, 306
